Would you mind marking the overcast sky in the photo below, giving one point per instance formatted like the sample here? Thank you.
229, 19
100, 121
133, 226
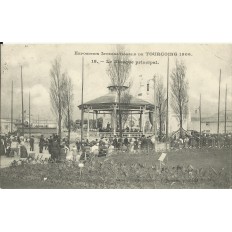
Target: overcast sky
202, 73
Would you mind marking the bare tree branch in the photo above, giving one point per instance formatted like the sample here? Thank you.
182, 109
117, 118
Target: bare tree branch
179, 93
118, 71
161, 103
56, 91
68, 102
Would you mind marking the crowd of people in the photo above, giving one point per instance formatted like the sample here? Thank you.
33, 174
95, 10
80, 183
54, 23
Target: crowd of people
59, 148
206, 140
108, 128
14, 145
116, 143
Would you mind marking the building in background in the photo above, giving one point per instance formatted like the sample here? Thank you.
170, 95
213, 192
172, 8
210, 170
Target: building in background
148, 95
6, 126
37, 127
209, 124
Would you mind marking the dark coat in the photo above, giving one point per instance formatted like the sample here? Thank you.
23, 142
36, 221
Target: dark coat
41, 142
55, 149
23, 152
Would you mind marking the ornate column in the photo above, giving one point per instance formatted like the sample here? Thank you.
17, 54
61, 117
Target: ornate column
143, 120
96, 119
140, 120
115, 118
112, 119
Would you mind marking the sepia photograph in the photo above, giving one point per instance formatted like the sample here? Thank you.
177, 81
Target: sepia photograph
116, 116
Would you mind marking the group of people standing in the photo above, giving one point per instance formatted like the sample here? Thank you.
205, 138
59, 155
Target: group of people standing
58, 149
204, 141
13, 145
116, 143
133, 144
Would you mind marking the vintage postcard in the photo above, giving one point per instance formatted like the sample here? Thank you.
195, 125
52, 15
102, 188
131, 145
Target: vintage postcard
116, 116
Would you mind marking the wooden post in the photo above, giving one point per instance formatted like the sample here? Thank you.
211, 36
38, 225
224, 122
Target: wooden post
22, 100
96, 119
143, 120
167, 113
154, 116
111, 119
115, 119
88, 125
200, 120
29, 115
12, 110
82, 107
219, 93
1, 87
225, 108
131, 121
93, 120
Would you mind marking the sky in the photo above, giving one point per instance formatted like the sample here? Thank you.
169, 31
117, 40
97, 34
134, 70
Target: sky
203, 67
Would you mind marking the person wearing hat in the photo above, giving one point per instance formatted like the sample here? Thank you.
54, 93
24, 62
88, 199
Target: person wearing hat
14, 147
115, 142
31, 141
23, 150
41, 144
126, 142
2, 147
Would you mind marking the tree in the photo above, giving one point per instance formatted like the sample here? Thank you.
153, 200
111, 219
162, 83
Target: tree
179, 93
118, 71
67, 102
161, 103
56, 92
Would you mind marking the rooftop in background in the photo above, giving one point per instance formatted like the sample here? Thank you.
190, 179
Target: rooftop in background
214, 117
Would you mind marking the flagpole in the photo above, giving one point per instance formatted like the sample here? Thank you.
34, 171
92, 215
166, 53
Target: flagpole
154, 119
1, 86
167, 113
200, 120
131, 120
225, 108
29, 115
219, 94
22, 101
12, 102
82, 96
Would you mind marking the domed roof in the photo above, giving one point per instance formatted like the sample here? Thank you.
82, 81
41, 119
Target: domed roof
107, 101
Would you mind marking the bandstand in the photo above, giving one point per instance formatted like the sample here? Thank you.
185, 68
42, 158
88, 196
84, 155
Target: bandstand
109, 104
